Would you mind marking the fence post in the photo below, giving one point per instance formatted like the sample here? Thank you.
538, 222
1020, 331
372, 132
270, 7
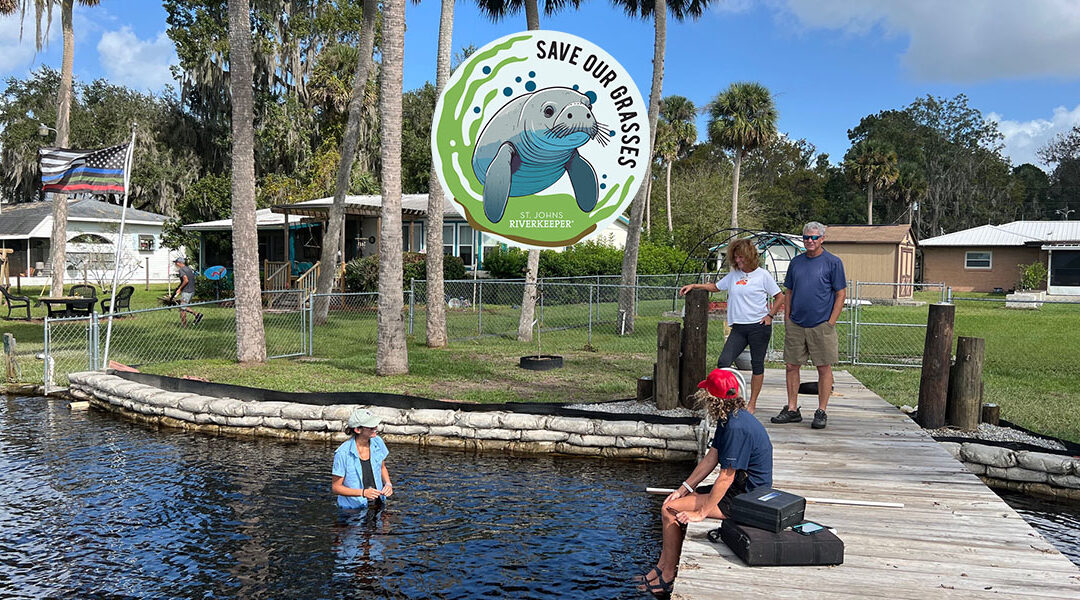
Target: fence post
590, 312
480, 308
93, 343
311, 325
148, 273
46, 374
412, 302
540, 297
934, 383
855, 327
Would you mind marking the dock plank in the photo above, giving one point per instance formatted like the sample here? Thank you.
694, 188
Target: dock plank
954, 538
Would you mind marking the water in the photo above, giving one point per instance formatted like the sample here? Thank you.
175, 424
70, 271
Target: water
1058, 522
92, 506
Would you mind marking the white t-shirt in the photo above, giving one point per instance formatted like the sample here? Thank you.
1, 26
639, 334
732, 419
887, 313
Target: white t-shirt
748, 295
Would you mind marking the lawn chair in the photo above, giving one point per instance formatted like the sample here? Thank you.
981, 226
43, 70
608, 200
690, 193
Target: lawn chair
15, 302
84, 291
123, 300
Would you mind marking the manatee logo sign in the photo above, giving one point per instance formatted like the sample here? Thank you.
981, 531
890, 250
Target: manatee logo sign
541, 139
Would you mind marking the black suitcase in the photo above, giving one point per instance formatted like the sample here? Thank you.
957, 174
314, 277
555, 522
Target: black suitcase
760, 548
768, 508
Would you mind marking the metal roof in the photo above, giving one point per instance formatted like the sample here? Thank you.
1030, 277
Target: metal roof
264, 219
1016, 233
19, 220
412, 205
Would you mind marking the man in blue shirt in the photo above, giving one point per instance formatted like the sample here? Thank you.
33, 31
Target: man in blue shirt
742, 450
816, 288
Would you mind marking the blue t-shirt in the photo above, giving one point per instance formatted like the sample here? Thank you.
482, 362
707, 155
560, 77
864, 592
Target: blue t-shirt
743, 444
813, 283
347, 465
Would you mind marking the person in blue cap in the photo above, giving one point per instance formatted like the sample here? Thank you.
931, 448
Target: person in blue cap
360, 476
742, 450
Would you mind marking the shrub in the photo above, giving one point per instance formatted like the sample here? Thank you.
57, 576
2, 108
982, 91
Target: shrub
508, 263
208, 290
362, 274
656, 259
1033, 276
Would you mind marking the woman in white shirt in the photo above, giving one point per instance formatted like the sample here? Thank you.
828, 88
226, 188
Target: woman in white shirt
754, 299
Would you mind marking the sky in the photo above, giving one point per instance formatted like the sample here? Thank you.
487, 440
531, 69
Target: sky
828, 63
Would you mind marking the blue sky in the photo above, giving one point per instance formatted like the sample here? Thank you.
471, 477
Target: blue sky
828, 62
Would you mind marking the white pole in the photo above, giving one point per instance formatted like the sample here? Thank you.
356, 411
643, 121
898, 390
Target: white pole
119, 245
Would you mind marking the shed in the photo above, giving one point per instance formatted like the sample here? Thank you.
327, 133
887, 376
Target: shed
876, 254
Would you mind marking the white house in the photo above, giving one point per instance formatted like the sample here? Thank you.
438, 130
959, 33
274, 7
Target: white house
362, 223
92, 231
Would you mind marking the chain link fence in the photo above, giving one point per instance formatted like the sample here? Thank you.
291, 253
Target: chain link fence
161, 335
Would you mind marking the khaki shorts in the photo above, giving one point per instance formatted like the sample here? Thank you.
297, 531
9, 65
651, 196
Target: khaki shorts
819, 344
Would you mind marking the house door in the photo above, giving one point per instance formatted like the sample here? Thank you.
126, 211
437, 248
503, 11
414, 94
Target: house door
907, 273
1065, 272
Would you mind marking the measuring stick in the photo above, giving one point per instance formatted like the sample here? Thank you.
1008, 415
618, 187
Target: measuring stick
666, 491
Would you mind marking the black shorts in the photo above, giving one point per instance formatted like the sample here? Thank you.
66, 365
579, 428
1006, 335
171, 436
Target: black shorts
738, 486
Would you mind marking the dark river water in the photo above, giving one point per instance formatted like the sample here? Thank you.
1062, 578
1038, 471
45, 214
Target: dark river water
1058, 522
96, 507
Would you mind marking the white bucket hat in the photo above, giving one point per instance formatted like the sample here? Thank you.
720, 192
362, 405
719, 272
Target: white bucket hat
361, 417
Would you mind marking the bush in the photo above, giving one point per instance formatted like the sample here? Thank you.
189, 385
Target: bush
656, 259
206, 289
362, 274
506, 263
1033, 276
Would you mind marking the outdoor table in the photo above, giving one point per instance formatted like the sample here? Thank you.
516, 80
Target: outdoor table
69, 303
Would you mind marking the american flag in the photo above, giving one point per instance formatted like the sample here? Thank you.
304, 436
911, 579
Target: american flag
74, 171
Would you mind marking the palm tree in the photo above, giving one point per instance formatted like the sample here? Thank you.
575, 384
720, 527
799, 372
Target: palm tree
43, 11
250, 336
496, 10
336, 216
657, 9
391, 354
873, 165
742, 118
436, 308
675, 133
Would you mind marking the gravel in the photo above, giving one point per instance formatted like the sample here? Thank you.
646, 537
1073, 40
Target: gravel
633, 406
996, 433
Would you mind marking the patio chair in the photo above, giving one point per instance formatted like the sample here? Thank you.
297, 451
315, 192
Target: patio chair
15, 302
84, 291
123, 300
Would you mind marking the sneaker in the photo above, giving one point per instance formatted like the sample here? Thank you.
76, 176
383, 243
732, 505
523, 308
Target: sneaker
819, 419
198, 317
787, 416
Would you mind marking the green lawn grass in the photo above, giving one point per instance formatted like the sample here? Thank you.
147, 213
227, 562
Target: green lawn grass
1030, 355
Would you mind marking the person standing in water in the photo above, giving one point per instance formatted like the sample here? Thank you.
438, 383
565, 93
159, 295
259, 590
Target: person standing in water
360, 476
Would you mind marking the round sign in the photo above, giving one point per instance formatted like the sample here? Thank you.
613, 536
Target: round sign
541, 139
214, 273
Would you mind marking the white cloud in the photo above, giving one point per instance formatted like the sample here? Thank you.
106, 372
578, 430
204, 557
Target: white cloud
960, 40
1024, 138
139, 64
15, 54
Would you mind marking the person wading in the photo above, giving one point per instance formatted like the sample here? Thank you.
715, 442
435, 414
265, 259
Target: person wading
360, 476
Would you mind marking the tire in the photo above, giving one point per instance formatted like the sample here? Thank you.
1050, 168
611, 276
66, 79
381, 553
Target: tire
543, 362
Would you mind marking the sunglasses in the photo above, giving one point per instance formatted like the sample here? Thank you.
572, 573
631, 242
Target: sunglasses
811, 237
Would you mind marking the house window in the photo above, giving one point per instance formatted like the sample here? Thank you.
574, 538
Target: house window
146, 243
465, 244
977, 260
448, 240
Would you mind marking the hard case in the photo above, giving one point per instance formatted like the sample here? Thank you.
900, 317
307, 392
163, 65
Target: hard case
768, 508
760, 548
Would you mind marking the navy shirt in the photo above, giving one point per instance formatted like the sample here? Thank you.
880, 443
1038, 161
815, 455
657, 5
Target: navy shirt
743, 444
813, 282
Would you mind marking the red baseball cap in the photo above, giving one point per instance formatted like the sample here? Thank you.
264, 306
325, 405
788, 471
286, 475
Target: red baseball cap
721, 384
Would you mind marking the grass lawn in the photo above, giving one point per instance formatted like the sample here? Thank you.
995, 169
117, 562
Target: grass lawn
1030, 355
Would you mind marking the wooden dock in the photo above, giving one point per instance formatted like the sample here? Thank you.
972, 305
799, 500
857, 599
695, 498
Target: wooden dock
954, 538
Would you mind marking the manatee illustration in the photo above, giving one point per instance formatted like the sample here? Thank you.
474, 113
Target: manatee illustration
527, 145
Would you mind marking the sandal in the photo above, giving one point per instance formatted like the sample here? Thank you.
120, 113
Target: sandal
659, 588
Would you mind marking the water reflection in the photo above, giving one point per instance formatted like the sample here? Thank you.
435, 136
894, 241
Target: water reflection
94, 506
1058, 522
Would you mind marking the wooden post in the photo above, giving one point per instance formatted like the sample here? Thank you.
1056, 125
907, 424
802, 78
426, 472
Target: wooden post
934, 383
644, 388
148, 273
991, 414
963, 406
667, 365
694, 335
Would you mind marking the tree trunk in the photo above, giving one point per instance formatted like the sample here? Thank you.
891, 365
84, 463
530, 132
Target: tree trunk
436, 306
335, 225
528, 302
528, 296
648, 213
391, 356
633, 234
870, 204
735, 188
58, 239
250, 336
669, 228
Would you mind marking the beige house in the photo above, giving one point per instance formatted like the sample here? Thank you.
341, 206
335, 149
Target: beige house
875, 253
989, 257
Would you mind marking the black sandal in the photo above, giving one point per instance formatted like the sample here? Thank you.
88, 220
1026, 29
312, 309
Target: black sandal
660, 588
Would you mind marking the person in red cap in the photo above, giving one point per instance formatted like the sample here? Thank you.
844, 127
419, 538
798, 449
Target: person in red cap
742, 450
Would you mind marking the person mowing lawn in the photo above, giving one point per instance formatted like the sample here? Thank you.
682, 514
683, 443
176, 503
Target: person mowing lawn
186, 289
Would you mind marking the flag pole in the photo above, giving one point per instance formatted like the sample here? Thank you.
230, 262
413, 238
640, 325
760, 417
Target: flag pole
119, 245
